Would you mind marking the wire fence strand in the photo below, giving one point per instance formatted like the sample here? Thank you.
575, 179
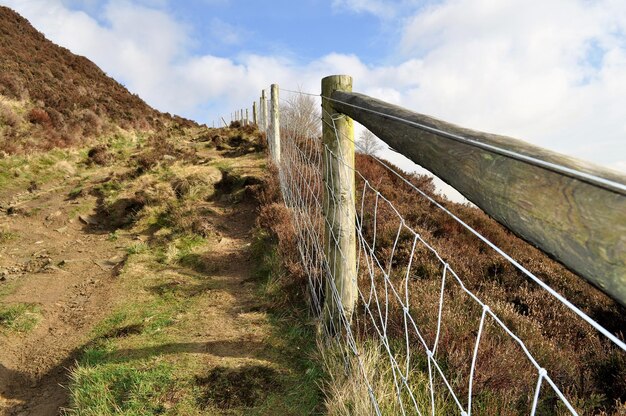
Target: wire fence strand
393, 316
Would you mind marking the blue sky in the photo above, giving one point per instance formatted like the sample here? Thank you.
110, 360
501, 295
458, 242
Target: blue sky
302, 30
549, 72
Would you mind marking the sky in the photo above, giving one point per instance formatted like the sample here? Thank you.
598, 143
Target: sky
552, 73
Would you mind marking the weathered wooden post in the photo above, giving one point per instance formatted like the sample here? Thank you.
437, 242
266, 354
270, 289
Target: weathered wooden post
274, 134
247, 119
338, 207
264, 111
261, 116
255, 114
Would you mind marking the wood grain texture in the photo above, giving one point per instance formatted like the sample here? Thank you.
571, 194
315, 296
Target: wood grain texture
338, 206
274, 119
264, 112
581, 225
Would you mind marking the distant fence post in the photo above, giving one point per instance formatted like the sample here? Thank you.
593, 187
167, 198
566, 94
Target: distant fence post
255, 114
264, 112
338, 206
274, 134
247, 119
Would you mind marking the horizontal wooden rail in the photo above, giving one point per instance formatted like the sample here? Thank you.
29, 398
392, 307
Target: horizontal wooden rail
572, 210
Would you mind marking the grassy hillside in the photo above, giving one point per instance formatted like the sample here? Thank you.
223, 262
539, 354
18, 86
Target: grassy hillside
50, 97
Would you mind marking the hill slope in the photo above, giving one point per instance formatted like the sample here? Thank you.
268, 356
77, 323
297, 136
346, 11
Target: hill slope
50, 97
133, 279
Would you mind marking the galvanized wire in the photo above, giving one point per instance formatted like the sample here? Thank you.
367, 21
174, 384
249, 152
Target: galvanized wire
383, 284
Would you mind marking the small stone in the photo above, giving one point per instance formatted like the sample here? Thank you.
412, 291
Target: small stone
87, 220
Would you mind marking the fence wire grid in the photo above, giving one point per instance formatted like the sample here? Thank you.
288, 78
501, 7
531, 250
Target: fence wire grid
406, 319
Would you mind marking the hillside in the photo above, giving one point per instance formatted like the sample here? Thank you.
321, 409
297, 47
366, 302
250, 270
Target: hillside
133, 276
50, 97
150, 265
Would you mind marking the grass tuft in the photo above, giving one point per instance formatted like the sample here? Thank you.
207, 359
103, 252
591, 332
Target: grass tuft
22, 317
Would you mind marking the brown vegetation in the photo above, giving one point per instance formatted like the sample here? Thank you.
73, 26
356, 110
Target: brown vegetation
585, 363
67, 98
587, 366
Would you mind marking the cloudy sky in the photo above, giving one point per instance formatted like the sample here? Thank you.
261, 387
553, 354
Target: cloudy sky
550, 72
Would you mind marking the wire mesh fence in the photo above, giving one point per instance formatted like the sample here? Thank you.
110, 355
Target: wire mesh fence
442, 346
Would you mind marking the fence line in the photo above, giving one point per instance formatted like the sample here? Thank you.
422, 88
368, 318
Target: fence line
384, 270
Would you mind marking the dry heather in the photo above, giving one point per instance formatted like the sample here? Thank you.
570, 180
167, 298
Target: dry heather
61, 99
588, 366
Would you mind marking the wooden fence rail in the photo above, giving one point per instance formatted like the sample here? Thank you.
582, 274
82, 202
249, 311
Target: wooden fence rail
572, 210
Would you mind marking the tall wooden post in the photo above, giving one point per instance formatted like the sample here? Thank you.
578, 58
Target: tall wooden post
274, 136
264, 112
247, 119
261, 116
338, 207
241, 120
255, 114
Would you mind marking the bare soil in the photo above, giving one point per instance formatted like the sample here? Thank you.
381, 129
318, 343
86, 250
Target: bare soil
65, 267
63, 260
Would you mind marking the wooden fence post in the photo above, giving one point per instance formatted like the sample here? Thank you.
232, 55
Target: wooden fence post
274, 136
338, 207
247, 119
264, 113
255, 114
261, 115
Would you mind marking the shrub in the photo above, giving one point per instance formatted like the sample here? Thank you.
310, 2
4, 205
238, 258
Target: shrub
8, 116
92, 124
39, 116
99, 155
11, 87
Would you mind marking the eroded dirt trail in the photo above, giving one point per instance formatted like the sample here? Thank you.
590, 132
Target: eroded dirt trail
147, 263
66, 268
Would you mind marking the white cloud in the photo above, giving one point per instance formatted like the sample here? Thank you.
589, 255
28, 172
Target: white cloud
552, 73
381, 8
522, 69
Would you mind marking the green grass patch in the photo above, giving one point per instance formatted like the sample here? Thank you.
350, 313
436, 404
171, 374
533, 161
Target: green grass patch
138, 361
131, 367
6, 236
109, 190
137, 248
19, 171
293, 336
186, 245
22, 317
123, 389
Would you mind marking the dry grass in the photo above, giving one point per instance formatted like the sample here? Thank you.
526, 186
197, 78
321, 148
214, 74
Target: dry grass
586, 366
576, 357
67, 100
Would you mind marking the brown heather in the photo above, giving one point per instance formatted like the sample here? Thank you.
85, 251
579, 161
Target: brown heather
588, 368
68, 99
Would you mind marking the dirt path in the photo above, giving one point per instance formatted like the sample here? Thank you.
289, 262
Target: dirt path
66, 269
62, 260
